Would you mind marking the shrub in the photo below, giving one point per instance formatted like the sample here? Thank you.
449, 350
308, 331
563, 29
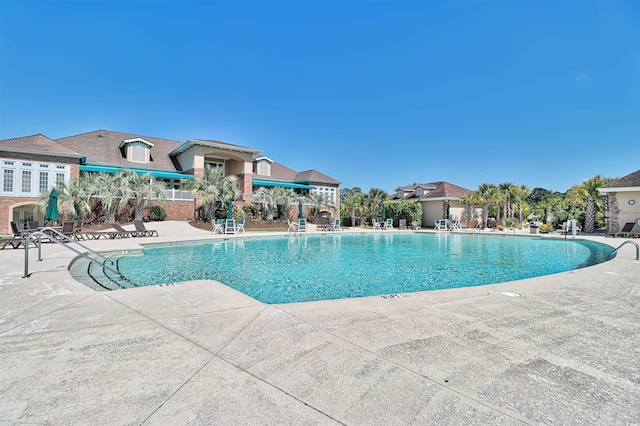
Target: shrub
157, 213
546, 228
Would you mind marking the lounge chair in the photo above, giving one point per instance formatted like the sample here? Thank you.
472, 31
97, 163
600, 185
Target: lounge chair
376, 224
302, 225
402, 224
33, 225
440, 224
230, 226
107, 235
14, 242
218, 226
240, 226
335, 225
388, 224
143, 231
454, 225
626, 230
68, 229
123, 232
17, 233
415, 225
293, 227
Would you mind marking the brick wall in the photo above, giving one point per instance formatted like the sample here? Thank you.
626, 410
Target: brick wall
245, 182
6, 211
179, 210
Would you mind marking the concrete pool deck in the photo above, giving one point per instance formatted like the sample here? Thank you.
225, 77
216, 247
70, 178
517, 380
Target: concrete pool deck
566, 351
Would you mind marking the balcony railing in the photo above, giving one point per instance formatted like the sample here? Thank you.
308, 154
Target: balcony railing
178, 194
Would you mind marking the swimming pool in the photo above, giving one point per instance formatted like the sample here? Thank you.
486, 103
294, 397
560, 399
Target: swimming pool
319, 267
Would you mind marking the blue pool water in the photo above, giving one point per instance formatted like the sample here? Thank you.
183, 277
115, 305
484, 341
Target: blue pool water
320, 267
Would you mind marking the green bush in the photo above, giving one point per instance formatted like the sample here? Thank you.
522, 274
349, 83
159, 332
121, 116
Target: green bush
546, 228
408, 210
157, 213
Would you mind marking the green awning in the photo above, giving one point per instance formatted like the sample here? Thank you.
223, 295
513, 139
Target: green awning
156, 173
265, 182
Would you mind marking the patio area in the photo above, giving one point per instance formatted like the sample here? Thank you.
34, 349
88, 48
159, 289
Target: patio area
558, 349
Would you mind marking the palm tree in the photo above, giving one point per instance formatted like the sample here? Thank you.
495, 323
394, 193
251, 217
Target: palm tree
110, 187
212, 188
374, 199
284, 197
142, 190
353, 206
521, 192
319, 202
76, 196
486, 194
588, 192
267, 198
470, 200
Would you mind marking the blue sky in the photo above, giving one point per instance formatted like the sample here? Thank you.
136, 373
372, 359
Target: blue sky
373, 93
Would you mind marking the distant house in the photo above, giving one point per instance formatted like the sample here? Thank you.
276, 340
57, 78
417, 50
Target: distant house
623, 202
32, 164
437, 199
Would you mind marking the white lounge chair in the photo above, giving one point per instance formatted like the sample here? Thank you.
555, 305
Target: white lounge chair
218, 226
230, 226
335, 225
302, 225
415, 225
376, 224
240, 226
402, 223
440, 224
388, 224
293, 227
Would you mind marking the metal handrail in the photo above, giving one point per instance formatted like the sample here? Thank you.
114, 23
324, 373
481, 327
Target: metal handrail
41, 232
626, 242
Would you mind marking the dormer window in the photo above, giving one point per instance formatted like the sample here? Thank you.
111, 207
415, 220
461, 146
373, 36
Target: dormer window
419, 192
262, 166
400, 194
136, 150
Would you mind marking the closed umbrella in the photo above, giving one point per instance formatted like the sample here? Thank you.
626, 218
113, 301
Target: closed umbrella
52, 206
300, 214
384, 213
229, 209
448, 207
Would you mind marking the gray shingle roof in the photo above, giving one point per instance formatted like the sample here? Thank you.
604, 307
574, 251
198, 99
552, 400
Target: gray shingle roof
37, 143
631, 180
102, 146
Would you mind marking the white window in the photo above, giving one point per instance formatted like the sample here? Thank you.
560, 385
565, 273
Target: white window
43, 182
138, 152
263, 168
216, 164
29, 179
328, 192
399, 194
7, 180
419, 192
60, 179
26, 180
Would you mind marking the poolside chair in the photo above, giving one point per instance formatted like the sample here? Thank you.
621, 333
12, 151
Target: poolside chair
293, 227
14, 242
68, 229
376, 224
415, 225
33, 225
626, 230
302, 225
143, 231
230, 226
123, 233
440, 224
335, 225
17, 233
240, 226
388, 224
218, 226
402, 224
454, 225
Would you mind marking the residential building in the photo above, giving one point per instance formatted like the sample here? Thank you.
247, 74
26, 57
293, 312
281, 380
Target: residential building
622, 202
30, 165
439, 200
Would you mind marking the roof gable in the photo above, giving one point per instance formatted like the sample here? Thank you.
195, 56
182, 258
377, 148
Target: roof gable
632, 180
38, 144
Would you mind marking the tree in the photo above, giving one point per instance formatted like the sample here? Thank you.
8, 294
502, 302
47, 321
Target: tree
319, 202
76, 195
141, 191
487, 194
110, 188
470, 200
588, 192
374, 199
284, 197
521, 193
267, 198
213, 188
352, 204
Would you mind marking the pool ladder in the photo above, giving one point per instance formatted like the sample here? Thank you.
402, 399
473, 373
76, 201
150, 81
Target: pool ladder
626, 242
64, 241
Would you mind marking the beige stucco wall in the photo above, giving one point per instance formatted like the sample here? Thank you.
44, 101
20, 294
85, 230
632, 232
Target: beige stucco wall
235, 162
434, 209
627, 212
